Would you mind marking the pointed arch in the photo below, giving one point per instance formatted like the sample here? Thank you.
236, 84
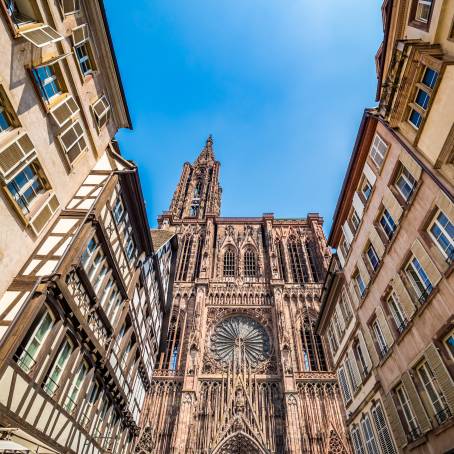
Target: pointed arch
238, 441
312, 258
250, 262
297, 260
185, 258
229, 262
313, 353
281, 259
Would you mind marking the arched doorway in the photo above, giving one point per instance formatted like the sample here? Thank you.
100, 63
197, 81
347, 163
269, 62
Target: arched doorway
239, 443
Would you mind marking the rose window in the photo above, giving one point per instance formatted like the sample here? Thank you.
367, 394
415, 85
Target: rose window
242, 338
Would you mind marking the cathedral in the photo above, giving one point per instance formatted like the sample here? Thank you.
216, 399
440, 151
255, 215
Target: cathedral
241, 368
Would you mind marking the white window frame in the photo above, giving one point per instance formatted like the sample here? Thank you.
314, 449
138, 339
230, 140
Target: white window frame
420, 7
422, 276
407, 409
407, 178
360, 285
380, 337
75, 387
444, 232
377, 154
431, 387
396, 311
50, 382
369, 436
387, 222
79, 137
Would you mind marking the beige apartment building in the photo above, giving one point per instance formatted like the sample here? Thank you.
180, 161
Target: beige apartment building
83, 287
393, 231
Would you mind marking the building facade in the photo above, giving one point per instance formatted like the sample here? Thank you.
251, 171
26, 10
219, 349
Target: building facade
242, 368
394, 234
83, 289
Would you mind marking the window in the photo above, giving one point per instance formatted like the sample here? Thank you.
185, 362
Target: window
372, 256
407, 412
405, 183
89, 250
194, 210
351, 374
379, 338
229, 263
378, 150
26, 186
359, 284
387, 224
345, 246
423, 8
281, 260
432, 389
345, 306
332, 339
449, 343
101, 110
47, 81
74, 390
250, 263
396, 311
73, 141
83, 57
297, 261
28, 355
366, 189
422, 97
118, 210
5, 123
419, 279
381, 426
442, 231
130, 248
51, 383
358, 445
185, 258
369, 437
312, 345
361, 359
312, 260
70, 6
355, 220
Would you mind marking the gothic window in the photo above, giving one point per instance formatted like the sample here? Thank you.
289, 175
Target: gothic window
312, 260
297, 261
185, 258
229, 263
250, 263
199, 257
194, 210
198, 189
281, 260
314, 357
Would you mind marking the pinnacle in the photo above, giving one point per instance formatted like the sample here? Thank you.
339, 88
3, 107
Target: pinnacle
207, 153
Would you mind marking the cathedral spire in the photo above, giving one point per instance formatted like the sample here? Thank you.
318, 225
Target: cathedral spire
207, 154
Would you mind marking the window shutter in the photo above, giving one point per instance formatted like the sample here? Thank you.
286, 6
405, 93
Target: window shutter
410, 164
420, 412
344, 385
341, 256
358, 205
44, 215
101, 110
384, 436
353, 294
73, 141
70, 6
371, 347
64, 110
369, 173
394, 420
15, 156
392, 205
425, 261
376, 242
363, 271
355, 370
347, 232
384, 327
404, 297
40, 35
80, 34
446, 206
365, 350
442, 375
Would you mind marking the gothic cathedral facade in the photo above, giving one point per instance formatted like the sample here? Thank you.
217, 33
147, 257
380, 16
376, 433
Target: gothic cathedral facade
242, 369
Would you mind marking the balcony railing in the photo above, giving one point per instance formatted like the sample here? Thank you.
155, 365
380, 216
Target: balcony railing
50, 386
25, 361
425, 294
70, 404
402, 326
414, 434
383, 351
443, 415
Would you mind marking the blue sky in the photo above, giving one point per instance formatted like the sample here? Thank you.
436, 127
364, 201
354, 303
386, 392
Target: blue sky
281, 85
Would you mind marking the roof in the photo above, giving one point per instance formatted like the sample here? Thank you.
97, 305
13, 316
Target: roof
12, 446
160, 237
114, 58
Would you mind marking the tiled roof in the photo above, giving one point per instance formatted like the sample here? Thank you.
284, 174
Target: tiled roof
159, 237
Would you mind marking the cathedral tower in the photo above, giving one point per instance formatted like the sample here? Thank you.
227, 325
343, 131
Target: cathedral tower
242, 369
